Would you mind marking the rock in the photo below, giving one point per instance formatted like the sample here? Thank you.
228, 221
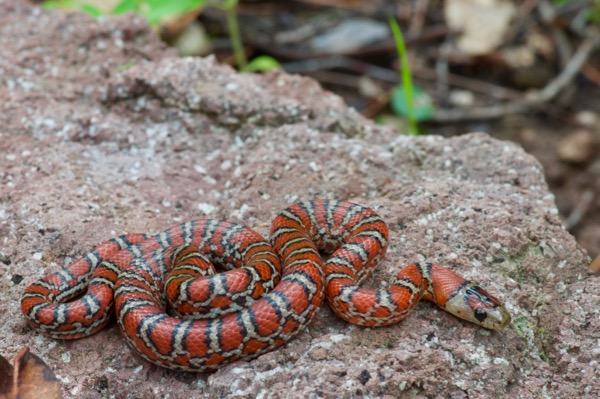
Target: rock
104, 131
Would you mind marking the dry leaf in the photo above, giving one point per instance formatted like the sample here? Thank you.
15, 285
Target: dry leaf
579, 146
30, 378
482, 23
595, 265
6, 378
171, 27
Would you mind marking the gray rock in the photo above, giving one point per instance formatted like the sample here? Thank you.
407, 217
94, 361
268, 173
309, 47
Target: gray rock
104, 131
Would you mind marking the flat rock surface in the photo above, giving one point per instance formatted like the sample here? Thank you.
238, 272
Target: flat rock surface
104, 131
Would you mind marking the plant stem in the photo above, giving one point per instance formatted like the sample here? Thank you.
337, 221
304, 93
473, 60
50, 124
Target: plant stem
229, 6
406, 76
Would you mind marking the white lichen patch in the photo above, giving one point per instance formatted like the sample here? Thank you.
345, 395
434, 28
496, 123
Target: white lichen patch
206, 208
479, 356
66, 357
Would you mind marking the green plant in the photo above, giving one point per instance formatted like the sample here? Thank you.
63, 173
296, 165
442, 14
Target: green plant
591, 9
262, 63
259, 64
408, 101
229, 7
152, 10
155, 10
73, 5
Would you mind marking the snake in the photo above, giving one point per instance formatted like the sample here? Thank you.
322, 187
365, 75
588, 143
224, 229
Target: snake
208, 292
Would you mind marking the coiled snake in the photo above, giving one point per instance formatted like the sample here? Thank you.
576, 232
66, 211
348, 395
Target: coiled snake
270, 292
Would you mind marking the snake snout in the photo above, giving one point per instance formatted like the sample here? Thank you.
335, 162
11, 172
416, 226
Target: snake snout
495, 319
476, 305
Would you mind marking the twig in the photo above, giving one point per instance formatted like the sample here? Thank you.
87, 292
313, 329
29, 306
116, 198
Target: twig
335, 78
523, 15
311, 65
531, 99
474, 85
581, 208
590, 72
340, 61
442, 68
571, 69
547, 13
418, 19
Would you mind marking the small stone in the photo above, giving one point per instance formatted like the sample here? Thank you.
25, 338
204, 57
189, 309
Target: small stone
461, 98
578, 147
206, 208
587, 118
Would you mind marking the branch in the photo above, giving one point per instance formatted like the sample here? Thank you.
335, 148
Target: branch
531, 99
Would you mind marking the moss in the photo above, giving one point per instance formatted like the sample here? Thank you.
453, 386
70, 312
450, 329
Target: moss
531, 336
514, 267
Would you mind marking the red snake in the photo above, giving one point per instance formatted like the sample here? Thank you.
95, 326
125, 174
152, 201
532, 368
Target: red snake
268, 295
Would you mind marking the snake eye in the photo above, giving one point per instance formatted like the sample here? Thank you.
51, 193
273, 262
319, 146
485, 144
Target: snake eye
480, 314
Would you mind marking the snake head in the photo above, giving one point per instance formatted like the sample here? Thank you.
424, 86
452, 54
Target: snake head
472, 303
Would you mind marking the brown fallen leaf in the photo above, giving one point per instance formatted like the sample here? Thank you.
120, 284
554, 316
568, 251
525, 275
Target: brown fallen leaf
578, 147
30, 378
482, 23
6, 378
595, 265
171, 27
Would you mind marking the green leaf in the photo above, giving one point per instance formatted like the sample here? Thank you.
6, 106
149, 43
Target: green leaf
90, 9
126, 6
422, 103
54, 4
73, 5
158, 9
593, 14
262, 63
406, 77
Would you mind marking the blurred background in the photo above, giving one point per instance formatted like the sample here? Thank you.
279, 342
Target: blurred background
526, 71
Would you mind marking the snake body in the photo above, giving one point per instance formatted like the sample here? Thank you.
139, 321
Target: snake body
177, 312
